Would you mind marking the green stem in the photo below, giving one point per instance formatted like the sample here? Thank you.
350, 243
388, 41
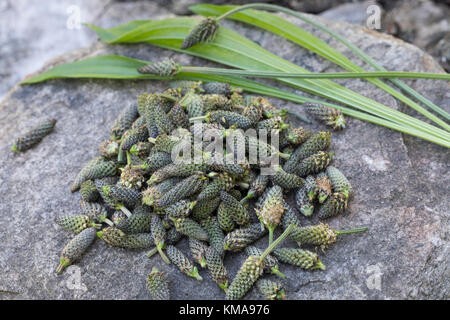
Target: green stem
128, 158
161, 253
152, 252
108, 222
325, 75
275, 243
284, 155
243, 185
201, 118
125, 210
168, 97
271, 235
348, 231
260, 88
121, 156
361, 54
377, 66
275, 271
194, 274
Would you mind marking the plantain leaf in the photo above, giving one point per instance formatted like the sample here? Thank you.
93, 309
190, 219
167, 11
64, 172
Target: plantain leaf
292, 32
118, 67
107, 66
234, 50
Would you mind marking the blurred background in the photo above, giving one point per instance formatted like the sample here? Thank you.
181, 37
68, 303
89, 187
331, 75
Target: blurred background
33, 32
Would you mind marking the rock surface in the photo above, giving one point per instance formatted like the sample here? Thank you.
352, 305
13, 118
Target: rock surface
401, 186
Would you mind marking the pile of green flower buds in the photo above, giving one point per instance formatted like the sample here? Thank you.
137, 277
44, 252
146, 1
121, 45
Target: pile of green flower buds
158, 179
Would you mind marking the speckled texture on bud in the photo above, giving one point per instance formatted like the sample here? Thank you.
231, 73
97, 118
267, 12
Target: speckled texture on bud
185, 188
76, 248
216, 268
152, 194
165, 143
178, 116
141, 149
132, 177
223, 182
75, 224
250, 271
333, 206
271, 209
136, 223
305, 205
270, 263
179, 169
180, 209
198, 251
124, 121
267, 109
319, 235
271, 290
238, 212
133, 136
158, 116
118, 238
297, 135
275, 123
290, 216
95, 169
34, 136
158, 285
204, 31
224, 218
339, 182
129, 197
163, 68
314, 163
212, 102
253, 112
215, 233
109, 148
286, 180
258, 186
330, 116
193, 104
311, 187
88, 191
298, 257
242, 237
156, 160
185, 86
204, 209
190, 228
323, 186
217, 88
111, 235
317, 142
182, 262
157, 230
229, 118
94, 210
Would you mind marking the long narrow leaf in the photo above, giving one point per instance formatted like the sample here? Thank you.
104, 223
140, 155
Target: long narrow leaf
231, 49
290, 31
118, 67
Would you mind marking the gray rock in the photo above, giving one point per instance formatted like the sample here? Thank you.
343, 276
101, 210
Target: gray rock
31, 34
401, 186
407, 20
354, 12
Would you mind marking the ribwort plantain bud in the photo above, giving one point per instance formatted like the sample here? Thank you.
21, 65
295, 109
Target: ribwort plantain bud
163, 68
204, 31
